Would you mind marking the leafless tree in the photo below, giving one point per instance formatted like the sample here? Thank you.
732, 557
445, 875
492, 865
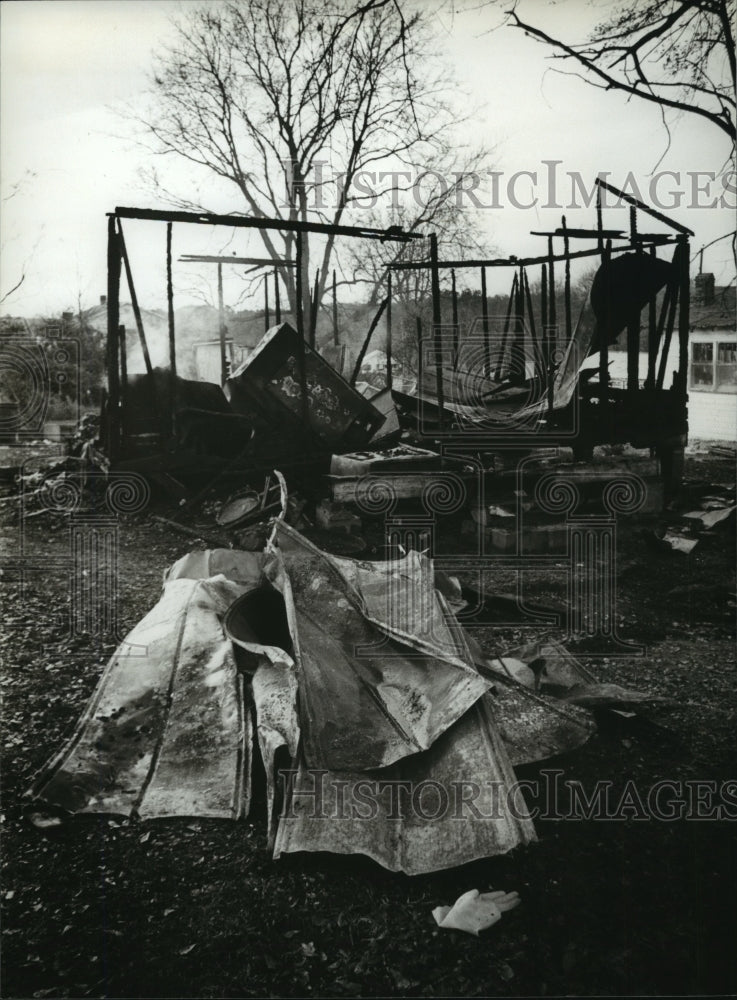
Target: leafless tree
677, 54
294, 102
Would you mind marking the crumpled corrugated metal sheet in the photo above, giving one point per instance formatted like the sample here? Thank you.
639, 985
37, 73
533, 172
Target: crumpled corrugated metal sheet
165, 733
535, 726
442, 808
367, 699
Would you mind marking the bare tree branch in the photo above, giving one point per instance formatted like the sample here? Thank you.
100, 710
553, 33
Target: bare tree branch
291, 103
677, 54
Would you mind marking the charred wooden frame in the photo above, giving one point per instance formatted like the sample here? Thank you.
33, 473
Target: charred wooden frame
117, 256
609, 242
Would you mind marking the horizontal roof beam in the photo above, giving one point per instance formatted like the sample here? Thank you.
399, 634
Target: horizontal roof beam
394, 233
522, 261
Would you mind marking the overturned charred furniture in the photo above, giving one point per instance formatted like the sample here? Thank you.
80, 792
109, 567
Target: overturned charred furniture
284, 402
292, 388
524, 377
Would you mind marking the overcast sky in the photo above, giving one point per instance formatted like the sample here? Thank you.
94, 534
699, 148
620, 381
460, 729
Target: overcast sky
67, 157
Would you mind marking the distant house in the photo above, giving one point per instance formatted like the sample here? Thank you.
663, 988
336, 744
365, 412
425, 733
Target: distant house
712, 370
375, 361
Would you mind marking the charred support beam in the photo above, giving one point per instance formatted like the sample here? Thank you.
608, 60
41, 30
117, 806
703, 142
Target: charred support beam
313, 309
277, 300
652, 333
485, 323
525, 261
581, 234
196, 258
336, 339
683, 316
113, 321
134, 301
599, 222
221, 328
123, 380
172, 335
243, 222
544, 316
567, 293
367, 341
267, 315
454, 315
606, 257
301, 359
645, 208
437, 332
505, 332
675, 293
389, 369
531, 323
552, 329
298, 285
633, 342
517, 354
665, 309
123, 361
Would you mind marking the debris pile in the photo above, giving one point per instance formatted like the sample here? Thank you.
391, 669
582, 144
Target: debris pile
379, 722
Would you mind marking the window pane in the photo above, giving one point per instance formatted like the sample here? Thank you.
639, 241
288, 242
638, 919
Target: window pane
702, 374
727, 353
727, 377
702, 352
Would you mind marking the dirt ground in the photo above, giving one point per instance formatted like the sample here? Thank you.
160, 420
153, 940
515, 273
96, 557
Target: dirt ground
111, 908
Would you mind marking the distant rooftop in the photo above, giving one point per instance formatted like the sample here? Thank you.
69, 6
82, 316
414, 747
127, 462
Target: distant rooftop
712, 308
